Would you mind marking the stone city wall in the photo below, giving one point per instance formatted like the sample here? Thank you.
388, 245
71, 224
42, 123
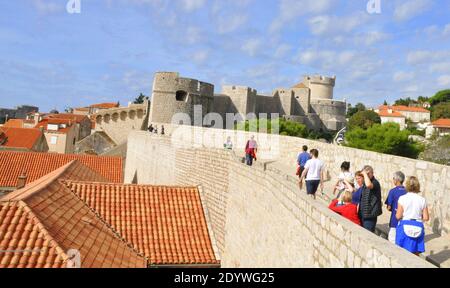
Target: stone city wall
258, 216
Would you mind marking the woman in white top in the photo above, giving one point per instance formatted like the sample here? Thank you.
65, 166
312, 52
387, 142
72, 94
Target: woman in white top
340, 184
412, 211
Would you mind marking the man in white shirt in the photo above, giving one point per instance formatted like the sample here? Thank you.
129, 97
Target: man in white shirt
313, 173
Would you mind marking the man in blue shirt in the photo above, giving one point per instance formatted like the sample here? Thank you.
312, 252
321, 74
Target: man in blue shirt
301, 162
392, 203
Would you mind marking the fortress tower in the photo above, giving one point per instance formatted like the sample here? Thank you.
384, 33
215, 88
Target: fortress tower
173, 94
321, 87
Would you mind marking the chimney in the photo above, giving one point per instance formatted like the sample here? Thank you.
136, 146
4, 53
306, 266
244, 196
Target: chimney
22, 180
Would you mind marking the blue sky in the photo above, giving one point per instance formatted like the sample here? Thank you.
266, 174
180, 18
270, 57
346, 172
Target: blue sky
110, 51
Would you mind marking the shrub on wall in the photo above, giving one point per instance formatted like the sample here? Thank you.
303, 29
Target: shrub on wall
386, 138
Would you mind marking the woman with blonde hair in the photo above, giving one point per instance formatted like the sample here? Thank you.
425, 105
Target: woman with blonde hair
412, 211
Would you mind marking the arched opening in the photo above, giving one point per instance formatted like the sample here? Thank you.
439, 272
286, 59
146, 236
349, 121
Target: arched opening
107, 118
132, 114
140, 114
181, 95
115, 117
123, 116
99, 119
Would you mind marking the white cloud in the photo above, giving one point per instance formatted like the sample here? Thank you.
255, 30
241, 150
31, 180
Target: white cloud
332, 25
444, 80
47, 7
426, 56
371, 38
289, 10
227, 24
200, 56
282, 51
402, 76
191, 5
446, 30
441, 67
407, 10
252, 46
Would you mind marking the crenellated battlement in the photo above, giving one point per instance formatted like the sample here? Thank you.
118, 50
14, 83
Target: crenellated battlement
319, 79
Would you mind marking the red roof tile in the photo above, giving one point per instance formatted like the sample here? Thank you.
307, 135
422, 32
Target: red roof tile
385, 113
37, 165
105, 105
48, 219
17, 123
21, 137
166, 224
300, 85
404, 108
45, 122
73, 117
442, 123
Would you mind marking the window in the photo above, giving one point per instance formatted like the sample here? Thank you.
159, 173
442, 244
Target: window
181, 95
74, 141
54, 140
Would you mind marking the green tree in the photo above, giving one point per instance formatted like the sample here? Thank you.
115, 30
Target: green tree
441, 110
353, 110
440, 97
140, 99
385, 103
405, 102
364, 120
386, 138
285, 127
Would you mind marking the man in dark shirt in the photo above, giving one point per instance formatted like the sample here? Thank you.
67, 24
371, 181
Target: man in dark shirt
370, 207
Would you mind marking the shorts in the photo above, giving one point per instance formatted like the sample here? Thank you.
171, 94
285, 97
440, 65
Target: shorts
301, 169
412, 244
312, 186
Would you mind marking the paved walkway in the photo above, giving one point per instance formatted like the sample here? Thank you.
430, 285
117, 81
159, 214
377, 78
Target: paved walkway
438, 247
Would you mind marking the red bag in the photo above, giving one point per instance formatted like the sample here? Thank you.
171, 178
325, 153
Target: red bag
298, 171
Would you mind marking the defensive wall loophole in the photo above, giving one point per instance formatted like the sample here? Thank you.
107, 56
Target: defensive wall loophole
181, 95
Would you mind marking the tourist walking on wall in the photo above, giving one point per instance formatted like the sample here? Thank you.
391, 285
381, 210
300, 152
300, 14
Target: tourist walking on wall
250, 151
412, 211
302, 158
347, 209
392, 201
163, 132
313, 174
340, 185
150, 129
370, 206
156, 130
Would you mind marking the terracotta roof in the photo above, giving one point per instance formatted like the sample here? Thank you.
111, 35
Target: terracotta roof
84, 109
17, 123
45, 122
36, 165
442, 123
105, 105
385, 113
73, 117
40, 223
166, 224
404, 108
300, 85
21, 137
